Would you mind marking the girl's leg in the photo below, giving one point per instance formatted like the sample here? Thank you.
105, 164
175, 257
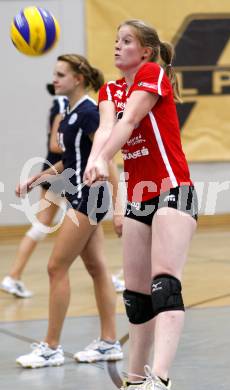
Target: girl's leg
171, 235
70, 242
137, 273
28, 244
95, 262
24, 251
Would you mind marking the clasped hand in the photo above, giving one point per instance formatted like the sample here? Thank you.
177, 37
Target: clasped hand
96, 170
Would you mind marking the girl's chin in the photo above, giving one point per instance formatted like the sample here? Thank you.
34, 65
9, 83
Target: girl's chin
58, 92
119, 65
117, 61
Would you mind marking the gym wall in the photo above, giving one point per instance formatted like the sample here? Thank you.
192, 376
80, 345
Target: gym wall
89, 28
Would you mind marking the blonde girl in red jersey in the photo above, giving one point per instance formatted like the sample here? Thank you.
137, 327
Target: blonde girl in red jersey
138, 115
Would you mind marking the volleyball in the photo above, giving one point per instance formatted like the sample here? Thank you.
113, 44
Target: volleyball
34, 31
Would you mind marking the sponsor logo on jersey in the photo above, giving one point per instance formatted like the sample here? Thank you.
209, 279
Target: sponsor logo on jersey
148, 85
138, 153
120, 105
73, 118
135, 140
119, 94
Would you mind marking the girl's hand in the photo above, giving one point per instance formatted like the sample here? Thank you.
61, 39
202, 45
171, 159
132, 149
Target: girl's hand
88, 173
23, 188
96, 170
118, 224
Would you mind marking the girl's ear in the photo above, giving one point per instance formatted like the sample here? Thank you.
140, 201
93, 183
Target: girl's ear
148, 52
79, 78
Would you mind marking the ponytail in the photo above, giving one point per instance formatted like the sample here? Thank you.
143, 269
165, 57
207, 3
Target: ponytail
166, 55
96, 79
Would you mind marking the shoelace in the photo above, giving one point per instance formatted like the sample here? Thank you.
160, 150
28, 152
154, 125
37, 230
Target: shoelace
93, 345
148, 378
38, 347
42, 348
96, 344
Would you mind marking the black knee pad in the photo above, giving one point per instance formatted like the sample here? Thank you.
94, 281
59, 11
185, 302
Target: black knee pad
166, 294
138, 307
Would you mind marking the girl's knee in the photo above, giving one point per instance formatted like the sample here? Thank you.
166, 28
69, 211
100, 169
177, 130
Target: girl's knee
55, 267
94, 268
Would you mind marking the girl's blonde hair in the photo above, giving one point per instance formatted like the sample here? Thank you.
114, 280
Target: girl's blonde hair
161, 51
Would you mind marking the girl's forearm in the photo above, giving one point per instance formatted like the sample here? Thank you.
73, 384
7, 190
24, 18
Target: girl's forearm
56, 168
121, 133
99, 141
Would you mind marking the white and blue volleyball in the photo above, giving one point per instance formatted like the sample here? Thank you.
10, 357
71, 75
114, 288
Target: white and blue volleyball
34, 31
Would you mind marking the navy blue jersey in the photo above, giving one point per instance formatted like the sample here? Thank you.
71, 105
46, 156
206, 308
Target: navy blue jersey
74, 130
58, 107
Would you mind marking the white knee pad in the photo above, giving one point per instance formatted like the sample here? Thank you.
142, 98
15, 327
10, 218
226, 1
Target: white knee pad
36, 232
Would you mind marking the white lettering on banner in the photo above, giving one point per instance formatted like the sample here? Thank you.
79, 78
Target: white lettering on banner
138, 153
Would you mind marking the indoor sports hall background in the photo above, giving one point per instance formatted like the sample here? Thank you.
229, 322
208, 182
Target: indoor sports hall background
200, 31
201, 34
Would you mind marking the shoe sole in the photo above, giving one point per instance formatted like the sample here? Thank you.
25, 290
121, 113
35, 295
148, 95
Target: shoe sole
21, 296
12, 292
104, 359
40, 365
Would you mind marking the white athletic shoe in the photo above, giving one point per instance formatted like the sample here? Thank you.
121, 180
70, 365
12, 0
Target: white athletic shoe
42, 356
118, 283
151, 382
15, 287
100, 350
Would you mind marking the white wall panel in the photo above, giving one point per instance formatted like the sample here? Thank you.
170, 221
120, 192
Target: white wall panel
24, 101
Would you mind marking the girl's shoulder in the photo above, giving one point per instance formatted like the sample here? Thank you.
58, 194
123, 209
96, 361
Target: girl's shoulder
149, 68
114, 84
111, 89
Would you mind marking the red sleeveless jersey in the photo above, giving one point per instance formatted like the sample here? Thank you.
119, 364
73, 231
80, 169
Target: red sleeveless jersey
153, 156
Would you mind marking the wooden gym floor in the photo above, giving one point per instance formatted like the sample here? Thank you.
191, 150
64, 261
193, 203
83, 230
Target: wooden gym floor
203, 357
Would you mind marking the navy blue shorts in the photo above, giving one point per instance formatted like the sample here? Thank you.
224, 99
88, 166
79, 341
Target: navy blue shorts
94, 201
182, 198
53, 158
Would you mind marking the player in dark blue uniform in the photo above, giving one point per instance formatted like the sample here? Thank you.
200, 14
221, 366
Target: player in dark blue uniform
80, 233
75, 139
12, 282
55, 115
